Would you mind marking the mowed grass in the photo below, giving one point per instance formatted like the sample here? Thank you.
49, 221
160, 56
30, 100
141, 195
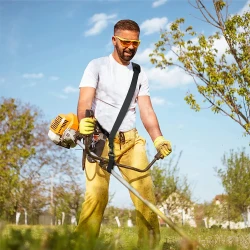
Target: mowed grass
59, 238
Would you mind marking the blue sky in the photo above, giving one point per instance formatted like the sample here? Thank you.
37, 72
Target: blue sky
46, 45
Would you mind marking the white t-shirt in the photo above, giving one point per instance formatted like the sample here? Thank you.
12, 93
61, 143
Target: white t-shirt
112, 81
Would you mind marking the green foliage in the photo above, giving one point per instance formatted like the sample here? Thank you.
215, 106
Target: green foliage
122, 213
235, 178
43, 238
218, 212
222, 78
16, 126
27, 160
168, 183
68, 198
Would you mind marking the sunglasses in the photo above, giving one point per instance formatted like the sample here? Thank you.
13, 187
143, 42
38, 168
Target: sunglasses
127, 43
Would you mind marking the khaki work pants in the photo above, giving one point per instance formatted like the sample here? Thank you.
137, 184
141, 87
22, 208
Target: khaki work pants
131, 153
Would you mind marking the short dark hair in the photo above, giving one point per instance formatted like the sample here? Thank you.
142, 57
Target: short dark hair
126, 25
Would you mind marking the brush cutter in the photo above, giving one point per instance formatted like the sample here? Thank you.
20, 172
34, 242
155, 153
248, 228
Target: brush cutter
64, 132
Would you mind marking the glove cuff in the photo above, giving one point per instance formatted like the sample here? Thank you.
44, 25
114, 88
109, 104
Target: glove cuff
158, 140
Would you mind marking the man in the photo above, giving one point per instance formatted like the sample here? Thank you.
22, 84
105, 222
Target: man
103, 88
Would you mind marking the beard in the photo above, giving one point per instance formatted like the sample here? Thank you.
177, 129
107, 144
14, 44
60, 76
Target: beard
125, 54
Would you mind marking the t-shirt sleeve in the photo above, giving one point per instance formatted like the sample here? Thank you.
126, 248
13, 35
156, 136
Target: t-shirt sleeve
90, 75
144, 86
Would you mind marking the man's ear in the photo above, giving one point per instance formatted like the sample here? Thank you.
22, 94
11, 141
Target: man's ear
113, 40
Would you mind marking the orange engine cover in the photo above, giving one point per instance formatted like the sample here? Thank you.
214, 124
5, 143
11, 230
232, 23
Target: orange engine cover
63, 122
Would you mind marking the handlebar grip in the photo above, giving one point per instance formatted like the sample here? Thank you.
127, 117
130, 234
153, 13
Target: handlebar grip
89, 113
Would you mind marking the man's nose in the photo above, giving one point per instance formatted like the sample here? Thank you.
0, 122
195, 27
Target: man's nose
131, 46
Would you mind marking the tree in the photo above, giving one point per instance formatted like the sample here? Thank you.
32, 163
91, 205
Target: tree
16, 125
235, 178
32, 197
68, 196
217, 210
221, 77
27, 158
122, 213
168, 183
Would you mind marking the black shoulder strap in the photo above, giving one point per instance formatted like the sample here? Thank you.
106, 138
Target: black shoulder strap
122, 114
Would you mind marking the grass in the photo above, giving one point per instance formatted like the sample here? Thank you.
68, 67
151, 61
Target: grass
59, 238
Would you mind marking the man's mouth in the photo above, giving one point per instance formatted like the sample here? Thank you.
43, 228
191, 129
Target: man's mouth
128, 53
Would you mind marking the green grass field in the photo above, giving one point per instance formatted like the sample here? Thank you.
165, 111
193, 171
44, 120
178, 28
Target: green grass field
60, 238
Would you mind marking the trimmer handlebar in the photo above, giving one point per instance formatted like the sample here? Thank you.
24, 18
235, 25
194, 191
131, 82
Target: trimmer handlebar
89, 113
104, 161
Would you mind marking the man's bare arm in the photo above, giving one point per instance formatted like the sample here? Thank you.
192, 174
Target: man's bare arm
85, 100
148, 117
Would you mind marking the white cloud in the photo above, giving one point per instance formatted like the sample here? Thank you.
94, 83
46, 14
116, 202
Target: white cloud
245, 8
70, 89
60, 96
99, 22
33, 76
153, 25
143, 56
53, 78
171, 77
167, 78
158, 101
170, 104
158, 3
221, 45
29, 85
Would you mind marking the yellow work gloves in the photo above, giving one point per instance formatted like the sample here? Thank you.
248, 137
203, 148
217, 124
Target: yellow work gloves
87, 125
163, 146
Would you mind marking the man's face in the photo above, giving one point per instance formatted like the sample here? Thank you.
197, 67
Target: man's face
125, 53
